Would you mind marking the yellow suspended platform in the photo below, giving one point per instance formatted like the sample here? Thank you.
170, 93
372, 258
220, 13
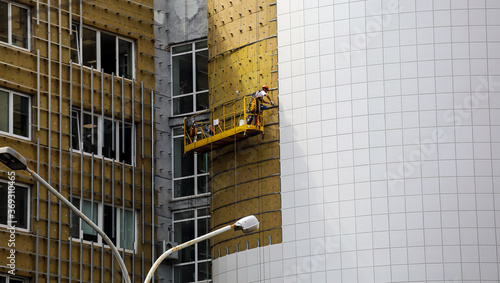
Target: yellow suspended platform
228, 123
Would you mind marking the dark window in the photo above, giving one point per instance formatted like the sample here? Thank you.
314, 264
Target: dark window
110, 223
190, 171
21, 205
103, 51
89, 48
15, 113
14, 24
194, 262
108, 53
103, 137
190, 77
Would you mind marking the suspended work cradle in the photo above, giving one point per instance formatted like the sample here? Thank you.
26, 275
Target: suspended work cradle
228, 122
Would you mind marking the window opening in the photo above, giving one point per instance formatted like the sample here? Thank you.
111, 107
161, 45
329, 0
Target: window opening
103, 51
15, 114
190, 77
103, 137
122, 232
22, 198
14, 24
190, 170
194, 263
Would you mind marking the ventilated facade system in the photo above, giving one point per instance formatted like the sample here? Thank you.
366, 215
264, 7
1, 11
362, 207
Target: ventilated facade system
389, 144
88, 130
244, 174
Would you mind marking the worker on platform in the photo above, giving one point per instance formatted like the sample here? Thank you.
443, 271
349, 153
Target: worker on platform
257, 102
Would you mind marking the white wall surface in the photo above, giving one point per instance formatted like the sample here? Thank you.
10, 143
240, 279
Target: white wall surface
390, 144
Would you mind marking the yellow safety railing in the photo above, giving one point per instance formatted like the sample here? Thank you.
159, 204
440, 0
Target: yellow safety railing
228, 121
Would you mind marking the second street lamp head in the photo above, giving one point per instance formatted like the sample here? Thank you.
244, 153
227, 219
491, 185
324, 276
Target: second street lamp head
12, 158
247, 224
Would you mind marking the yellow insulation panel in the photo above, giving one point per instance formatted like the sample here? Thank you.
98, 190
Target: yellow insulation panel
55, 90
245, 175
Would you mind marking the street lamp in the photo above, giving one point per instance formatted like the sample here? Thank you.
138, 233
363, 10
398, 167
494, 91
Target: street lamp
16, 161
246, 224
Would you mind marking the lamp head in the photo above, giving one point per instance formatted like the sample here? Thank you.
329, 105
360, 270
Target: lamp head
12, 158
247, 224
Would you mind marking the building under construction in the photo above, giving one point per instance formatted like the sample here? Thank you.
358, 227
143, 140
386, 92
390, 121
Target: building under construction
77, 89
380, 164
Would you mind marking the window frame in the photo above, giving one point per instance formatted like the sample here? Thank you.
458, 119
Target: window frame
195, 175
8, 277
198, 233
9, 24
28, 207
100, 137
100, 224
79, 50
11, 114
194, 93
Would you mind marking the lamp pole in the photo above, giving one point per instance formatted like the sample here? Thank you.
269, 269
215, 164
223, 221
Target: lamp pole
247, 225
16, 161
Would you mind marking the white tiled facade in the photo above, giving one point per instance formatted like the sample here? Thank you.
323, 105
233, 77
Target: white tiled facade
390, 144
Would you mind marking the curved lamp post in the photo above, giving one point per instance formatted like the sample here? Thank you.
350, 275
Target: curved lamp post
16, 161
246, 224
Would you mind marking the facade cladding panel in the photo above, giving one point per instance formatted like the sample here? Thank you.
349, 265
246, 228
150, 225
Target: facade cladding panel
390, 144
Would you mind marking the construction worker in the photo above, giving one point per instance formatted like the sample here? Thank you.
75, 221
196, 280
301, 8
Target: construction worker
257, 102
190, 129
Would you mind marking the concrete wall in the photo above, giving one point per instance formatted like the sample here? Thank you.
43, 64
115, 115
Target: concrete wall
177, 21
390, 144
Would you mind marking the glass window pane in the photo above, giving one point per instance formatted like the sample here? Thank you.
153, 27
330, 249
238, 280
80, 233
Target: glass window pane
203, 212
183, 215
184, 187
75, 44
202, 70
202, 160
182, 74
204, 246
4, 22
74, 229
203, 184
89, 48
3, 203
126, 143
21, 115
75, 130
19, 26
127, 233
178, 131
110, 222
182, 48
4, 111
89, 233
202, 101
183, 105
183, 163
3, 279
184, 274
201, 44
108, 53
184, 231
125, 58
21, 210
89, 136
204, 270
108, 137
